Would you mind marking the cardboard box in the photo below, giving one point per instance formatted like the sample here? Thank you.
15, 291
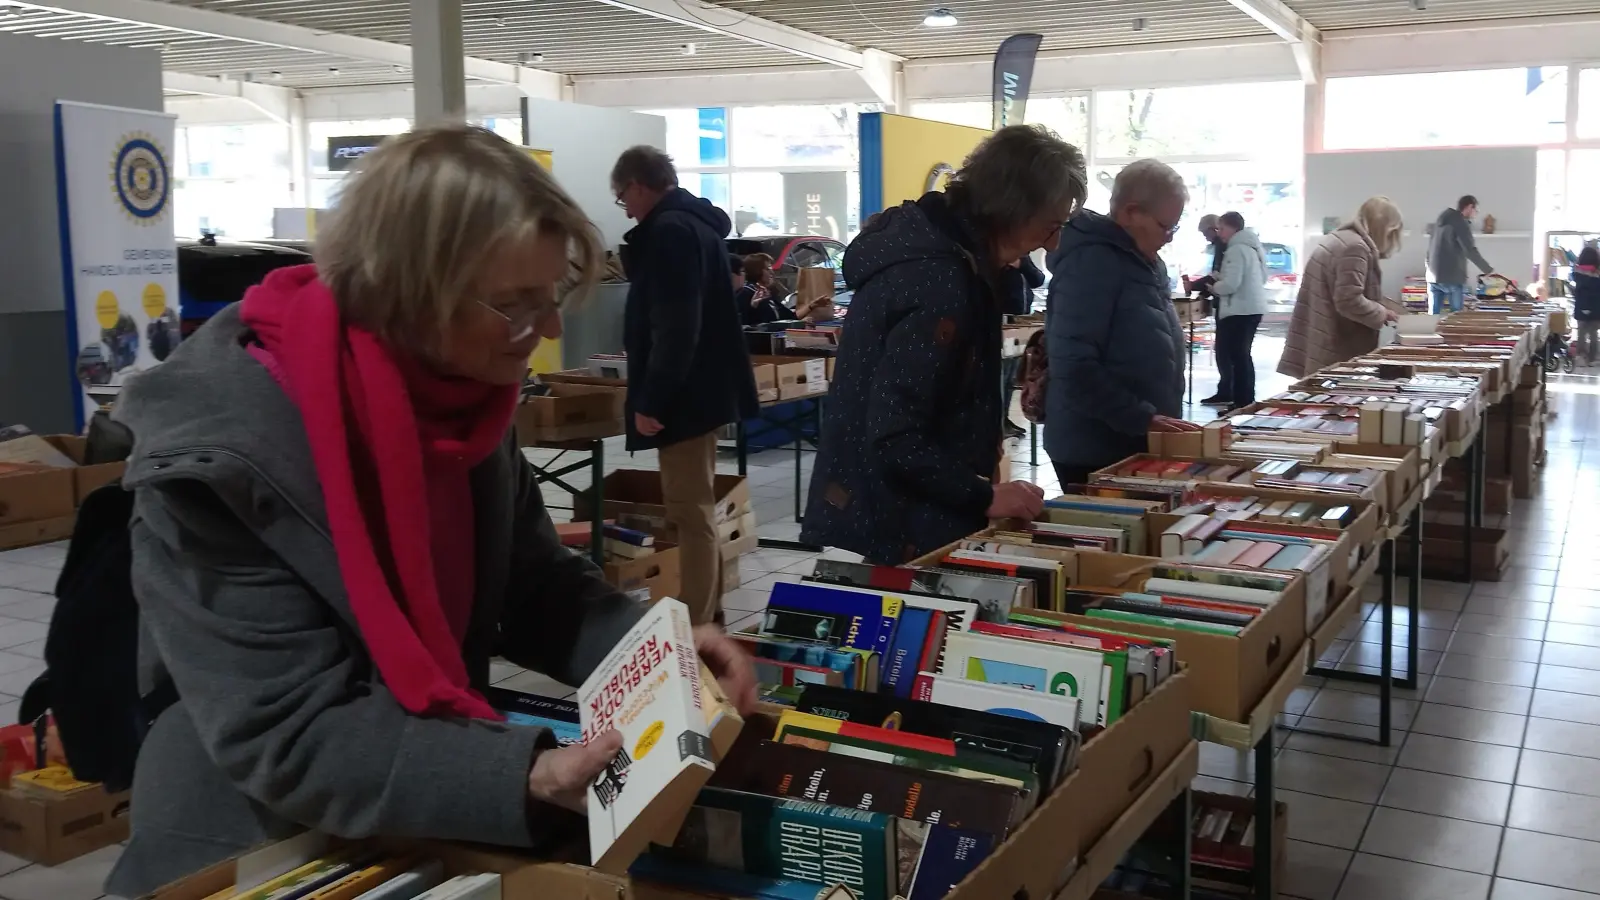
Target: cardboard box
582, 376
85, 479
638, 492
38, 531
1127, 775
1230, 673
1233, 857
571, 412
1377, 493
1442, 546
52, 830
766, 381
738, 536
663, 568
36, 493
797, 376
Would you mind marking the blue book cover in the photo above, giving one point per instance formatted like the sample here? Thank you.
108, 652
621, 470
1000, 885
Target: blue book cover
560, 716
905, 651
872, 617
630, 536
948, 856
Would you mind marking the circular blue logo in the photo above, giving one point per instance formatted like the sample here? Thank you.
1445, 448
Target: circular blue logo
141, 177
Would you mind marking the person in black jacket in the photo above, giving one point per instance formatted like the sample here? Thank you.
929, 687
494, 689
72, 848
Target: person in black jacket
913, 435
1021, 281
688, 369
1586, 303
1116, 349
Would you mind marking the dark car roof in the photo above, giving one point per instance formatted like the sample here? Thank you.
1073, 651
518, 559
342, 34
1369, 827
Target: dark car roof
213, 275
773, 244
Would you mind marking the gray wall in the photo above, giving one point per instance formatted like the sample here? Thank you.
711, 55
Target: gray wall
35, 370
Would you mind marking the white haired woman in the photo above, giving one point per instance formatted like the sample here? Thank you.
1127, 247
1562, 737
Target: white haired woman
334, 531
1341, 306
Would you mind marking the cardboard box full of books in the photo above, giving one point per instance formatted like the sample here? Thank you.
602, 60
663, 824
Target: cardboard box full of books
659, 570
797, 376
1230, 672
766, 376
50, 829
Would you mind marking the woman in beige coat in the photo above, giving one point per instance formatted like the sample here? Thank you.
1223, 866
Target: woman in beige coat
1341, 305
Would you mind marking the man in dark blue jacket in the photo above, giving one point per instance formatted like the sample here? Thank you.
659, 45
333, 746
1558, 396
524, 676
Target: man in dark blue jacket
688, 369
1116, 349
908, 456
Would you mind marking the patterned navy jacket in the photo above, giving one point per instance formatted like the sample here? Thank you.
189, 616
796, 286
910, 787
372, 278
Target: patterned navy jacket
912, 434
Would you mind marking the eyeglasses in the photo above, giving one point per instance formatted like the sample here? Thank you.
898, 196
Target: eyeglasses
521, 322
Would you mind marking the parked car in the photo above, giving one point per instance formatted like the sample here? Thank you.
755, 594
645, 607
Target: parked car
214, 273
792, 252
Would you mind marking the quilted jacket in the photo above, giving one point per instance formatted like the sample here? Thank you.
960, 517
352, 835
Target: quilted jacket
1340, 307
912, 434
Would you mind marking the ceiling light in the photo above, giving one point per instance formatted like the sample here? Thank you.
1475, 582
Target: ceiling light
689, 49
333, 70
276, 75
528, 57
400, 69
1140, 24
941, 17
500, 21
1419, 4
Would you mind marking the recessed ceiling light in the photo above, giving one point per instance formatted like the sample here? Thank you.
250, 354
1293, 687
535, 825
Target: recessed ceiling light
276, 75
941, 17
500, 21
689, 49
1141, 23
1419, 4
333, 70
528, 57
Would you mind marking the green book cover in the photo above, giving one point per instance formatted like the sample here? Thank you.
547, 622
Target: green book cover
969, 764
793, 839
1163, 622
1116, 685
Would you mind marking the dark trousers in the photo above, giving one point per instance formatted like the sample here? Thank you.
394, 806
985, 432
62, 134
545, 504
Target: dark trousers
1008, 382
1235, 336
1066, 475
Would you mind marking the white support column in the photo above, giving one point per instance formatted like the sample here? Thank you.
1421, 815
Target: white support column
299, 154
438, 62
885, 74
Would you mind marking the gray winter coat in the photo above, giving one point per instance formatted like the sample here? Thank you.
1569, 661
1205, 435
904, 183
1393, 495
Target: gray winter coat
1452, 245
1241, 286
1116, 350
282, 722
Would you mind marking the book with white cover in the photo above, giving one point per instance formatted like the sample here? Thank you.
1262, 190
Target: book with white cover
1002, 699
466, 887
1207, 591
1032, 665
409, 884
648, 688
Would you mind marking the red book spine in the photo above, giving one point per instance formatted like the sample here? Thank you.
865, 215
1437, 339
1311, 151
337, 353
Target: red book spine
933, 644
922, 688
941, 746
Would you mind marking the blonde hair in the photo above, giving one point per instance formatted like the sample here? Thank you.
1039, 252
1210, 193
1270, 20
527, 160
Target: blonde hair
1380, 218
423, 217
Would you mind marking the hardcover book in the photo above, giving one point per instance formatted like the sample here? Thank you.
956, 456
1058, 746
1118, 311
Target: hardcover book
648, 688
809, 611
1046, 749
790, 839
994, 596
786, 770
519, 708
999, 699
1048, 668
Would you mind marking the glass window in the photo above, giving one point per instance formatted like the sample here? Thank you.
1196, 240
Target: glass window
973, 114
1256, 120
1068, 117
230, 178
809, 256
757, 203
795, 135
1447, 109
1589, 103
695, 137
508, 127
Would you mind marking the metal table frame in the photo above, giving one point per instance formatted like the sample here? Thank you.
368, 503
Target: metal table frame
794, 426
549, 473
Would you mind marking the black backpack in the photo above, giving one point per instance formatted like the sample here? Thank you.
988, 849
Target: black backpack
91, 679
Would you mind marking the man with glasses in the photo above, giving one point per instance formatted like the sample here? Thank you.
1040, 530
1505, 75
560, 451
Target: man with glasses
1116, 350
688, 369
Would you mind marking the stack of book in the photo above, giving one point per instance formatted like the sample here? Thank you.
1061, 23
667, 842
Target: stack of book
627, 543
355, 874
889, 797
1188, 595
1277, 473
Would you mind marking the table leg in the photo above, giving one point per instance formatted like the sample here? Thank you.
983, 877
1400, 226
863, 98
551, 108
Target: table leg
797, 426
1474, 474
1386, 652
1265, 803
597, 474
1033, 444
1482, 481
741, 443
1414, 599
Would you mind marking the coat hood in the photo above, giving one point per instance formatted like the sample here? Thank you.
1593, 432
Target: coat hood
680, 200
1449, 217
1248, 238
1089, 228
914, 231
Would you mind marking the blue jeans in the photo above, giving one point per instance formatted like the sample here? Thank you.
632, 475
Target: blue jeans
1453, 296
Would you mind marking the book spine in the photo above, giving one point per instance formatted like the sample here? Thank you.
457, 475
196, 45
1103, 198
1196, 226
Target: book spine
905, 651
948, 856
933, 644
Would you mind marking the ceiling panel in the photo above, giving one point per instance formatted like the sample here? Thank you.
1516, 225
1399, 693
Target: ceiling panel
1331, 15
577, 37
896, 25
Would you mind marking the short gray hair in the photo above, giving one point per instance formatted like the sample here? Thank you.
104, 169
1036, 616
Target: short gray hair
646, 166
1145, 183
1018, 174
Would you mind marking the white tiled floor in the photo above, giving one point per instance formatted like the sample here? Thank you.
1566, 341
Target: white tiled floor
1490, 792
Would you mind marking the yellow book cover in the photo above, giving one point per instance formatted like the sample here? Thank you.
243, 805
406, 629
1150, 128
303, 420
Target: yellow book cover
357, 883
51, 781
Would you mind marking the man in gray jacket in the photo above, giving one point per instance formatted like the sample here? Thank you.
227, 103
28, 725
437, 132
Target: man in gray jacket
1241, 292
1451, 247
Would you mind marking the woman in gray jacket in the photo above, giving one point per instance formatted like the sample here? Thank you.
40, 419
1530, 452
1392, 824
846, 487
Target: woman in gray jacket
1241, 292
334, 531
